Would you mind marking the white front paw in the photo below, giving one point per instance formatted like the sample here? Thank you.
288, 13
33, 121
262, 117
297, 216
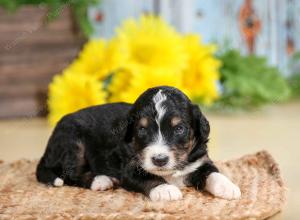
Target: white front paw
101, 183
220, 186
58, 182
165, 192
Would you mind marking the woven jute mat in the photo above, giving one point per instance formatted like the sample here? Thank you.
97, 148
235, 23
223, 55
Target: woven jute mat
258, 176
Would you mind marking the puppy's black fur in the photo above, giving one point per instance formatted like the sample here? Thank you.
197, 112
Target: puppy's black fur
110, 140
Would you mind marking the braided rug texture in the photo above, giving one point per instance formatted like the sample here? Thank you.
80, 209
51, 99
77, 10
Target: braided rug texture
258, 176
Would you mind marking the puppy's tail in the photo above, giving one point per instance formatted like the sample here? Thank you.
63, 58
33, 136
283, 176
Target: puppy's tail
46, 175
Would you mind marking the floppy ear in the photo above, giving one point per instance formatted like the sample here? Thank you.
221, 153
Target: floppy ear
200, 125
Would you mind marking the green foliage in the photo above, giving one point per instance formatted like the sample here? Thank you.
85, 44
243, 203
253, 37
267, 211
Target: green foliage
79, 8
294, 82
294, 79
249, 82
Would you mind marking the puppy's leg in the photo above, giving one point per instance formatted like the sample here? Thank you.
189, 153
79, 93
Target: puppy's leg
64, 159
155, 187
220, 186
101, 179
207, 177
103, 182
165, 192
46, 175
105, 176
75, 167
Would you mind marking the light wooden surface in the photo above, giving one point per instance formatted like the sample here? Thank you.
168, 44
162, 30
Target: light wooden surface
276, 129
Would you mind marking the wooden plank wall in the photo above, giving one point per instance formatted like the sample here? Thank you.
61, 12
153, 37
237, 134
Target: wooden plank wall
30, 54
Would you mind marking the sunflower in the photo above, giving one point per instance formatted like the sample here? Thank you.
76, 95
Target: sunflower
143, 54
90, 58
120, 82
128, 84
154, 55
98, 58
69, 93
151, 43
202, 72
114, 59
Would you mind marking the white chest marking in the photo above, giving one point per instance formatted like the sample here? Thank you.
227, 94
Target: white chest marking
191, 167
176, 181
178, 178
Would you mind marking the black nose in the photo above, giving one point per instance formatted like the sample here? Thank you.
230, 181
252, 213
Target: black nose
160, 160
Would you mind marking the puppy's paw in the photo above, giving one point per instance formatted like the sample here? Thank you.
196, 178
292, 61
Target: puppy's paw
220, 186
165, 192
101, 183
58, 182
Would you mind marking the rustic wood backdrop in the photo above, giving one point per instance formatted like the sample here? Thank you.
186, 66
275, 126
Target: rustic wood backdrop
31, 52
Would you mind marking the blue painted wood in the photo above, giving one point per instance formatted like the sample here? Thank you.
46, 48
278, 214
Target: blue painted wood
113, 12
217, 21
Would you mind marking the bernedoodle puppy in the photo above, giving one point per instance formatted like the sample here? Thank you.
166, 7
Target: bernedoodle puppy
155, 147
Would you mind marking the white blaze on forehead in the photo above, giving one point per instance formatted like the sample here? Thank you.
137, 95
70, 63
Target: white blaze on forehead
158, 99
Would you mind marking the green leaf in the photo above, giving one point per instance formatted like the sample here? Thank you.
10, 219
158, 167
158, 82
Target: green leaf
249, 82
55, 7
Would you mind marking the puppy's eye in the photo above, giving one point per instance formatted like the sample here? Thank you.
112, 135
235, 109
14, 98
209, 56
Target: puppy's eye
178, 130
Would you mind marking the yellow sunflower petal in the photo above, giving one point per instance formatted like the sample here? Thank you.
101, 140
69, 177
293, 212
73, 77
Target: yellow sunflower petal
90, 59
150, 42
69, 93
202, 74
128, 84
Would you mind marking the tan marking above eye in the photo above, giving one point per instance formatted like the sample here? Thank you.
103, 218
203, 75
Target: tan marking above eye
175, 121
190, 144
143, 122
